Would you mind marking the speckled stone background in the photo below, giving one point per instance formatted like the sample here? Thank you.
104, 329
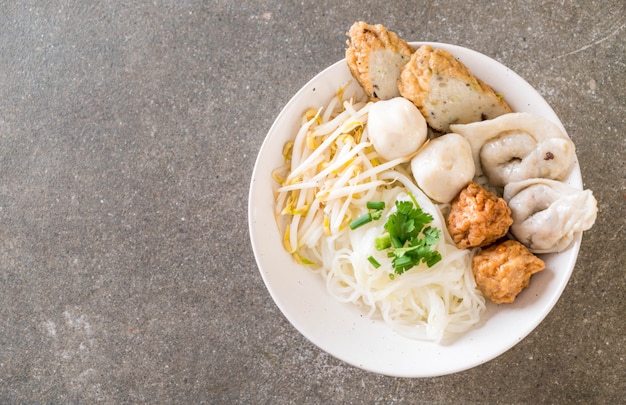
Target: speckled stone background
128, 135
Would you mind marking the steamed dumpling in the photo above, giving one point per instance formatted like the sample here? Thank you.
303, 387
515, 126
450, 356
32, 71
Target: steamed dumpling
444, 167
548, 214
518, 146
396, 128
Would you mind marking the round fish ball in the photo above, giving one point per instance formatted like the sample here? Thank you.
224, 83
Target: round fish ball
396, 128
443, 167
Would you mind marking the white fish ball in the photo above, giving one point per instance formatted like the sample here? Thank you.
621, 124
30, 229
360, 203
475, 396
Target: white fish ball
396, 128
444, 166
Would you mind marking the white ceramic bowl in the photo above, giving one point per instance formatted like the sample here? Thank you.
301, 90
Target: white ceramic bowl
342, 329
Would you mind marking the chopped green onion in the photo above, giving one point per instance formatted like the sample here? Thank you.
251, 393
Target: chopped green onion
383, 241
373, 261
360, 221
402, 263
433, 259
376, 205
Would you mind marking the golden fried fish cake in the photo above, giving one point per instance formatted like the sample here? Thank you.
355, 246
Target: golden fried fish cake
445, 90
502, 271
478, 217
375, 57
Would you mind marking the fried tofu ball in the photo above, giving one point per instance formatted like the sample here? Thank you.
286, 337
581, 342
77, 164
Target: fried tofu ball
478, 217
375, 57
445, 90
502, 271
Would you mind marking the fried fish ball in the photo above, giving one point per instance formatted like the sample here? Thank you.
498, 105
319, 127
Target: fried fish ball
502, 271
375, 57
478, 217
445, 90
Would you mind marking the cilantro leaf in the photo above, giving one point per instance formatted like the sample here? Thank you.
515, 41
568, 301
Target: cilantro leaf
431, 235
408, 239
407, 222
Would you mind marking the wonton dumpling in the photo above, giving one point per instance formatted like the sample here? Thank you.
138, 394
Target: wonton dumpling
518, 146
444, 167
547, 214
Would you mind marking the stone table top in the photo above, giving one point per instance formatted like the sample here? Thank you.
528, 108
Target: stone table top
128, 136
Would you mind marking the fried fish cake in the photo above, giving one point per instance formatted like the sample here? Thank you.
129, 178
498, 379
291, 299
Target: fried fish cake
502, 271
375, 57
445, 90
478, 217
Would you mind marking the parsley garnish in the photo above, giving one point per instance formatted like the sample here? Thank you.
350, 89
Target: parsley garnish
408, 239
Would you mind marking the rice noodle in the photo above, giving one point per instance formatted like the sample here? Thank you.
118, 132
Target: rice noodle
336, 174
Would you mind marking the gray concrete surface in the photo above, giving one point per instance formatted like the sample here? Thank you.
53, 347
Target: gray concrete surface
128, 134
